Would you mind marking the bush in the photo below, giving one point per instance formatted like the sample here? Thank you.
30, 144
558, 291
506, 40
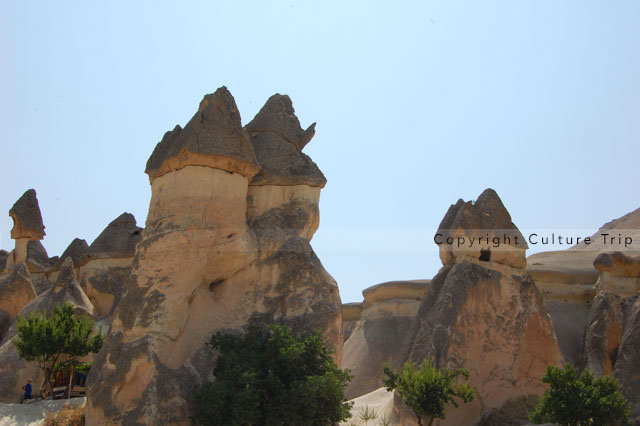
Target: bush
269, 377
580, 401
428, 391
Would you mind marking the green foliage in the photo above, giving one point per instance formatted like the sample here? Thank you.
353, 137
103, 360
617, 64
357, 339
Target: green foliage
428, 391
57, 340
580, 401
269, 377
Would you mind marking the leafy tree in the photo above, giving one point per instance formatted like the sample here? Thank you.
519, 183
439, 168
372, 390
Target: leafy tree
269, 377
580, 401
57, 340
428, 391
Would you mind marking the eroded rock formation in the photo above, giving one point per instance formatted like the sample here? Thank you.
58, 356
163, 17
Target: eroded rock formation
226, 242
388, 311
486, 316
105, 265
15, 371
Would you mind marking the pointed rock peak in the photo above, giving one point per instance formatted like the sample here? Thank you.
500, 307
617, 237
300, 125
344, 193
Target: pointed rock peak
118, 240
214, 138
27, 219
487, 212
66, 275
480, 231
278, 116
75, 251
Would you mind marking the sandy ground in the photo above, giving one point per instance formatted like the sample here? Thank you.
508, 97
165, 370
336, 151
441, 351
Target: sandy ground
379, 400
33, 414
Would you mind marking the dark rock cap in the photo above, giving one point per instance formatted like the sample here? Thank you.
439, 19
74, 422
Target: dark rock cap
118, 239
214, 137
618, 264
66, 289
282, 163
278, 116
76, 250
487, 213
27, 219
4, 255
37, 258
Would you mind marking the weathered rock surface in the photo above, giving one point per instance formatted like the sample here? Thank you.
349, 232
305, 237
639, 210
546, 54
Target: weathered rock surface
487, 317
118, 240
564, 275
76, 251
216, 253
277, 116
613, 324
388, 311
4, 255
492, 323
5, 323
351, 314
628, 360
16, 290
278, 140
625, 226
213, 138
485, 232
27, 219
15, 372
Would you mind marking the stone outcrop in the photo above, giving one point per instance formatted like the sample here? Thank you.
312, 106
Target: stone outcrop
628, 360
567, 281
76, 251
27, 219
218, 251
27, 225
16, 290
487, 317
105, 265
351, 314
16, 371
388, 311
617, 290
480, 231
118, 240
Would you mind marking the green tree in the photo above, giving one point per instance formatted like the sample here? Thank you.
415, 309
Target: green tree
580, 401
269, 377
428, 391
57, 340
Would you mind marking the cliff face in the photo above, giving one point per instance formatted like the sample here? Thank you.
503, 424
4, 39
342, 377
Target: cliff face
488, 317
226, 242
386, 314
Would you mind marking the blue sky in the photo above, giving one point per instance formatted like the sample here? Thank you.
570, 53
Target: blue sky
417, 103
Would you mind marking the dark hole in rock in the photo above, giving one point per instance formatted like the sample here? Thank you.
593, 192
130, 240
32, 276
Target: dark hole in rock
485, 255
136, 232
613, 355
215, 284
230, 235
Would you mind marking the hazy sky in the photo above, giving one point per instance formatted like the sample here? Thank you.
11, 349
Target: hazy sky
417, 103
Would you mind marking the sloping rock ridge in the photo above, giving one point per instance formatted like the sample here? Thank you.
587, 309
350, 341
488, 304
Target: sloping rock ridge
218, 251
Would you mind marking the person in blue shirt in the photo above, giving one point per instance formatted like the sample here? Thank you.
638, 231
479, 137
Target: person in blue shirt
27, 390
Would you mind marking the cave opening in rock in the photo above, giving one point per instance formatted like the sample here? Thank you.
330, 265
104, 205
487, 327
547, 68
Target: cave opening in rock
215, 284
485, 255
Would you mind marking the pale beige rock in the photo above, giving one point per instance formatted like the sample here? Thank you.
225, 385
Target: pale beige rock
480, 232
216, 254
16, 290
492, 323
387, 314
351, 314
103, 281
